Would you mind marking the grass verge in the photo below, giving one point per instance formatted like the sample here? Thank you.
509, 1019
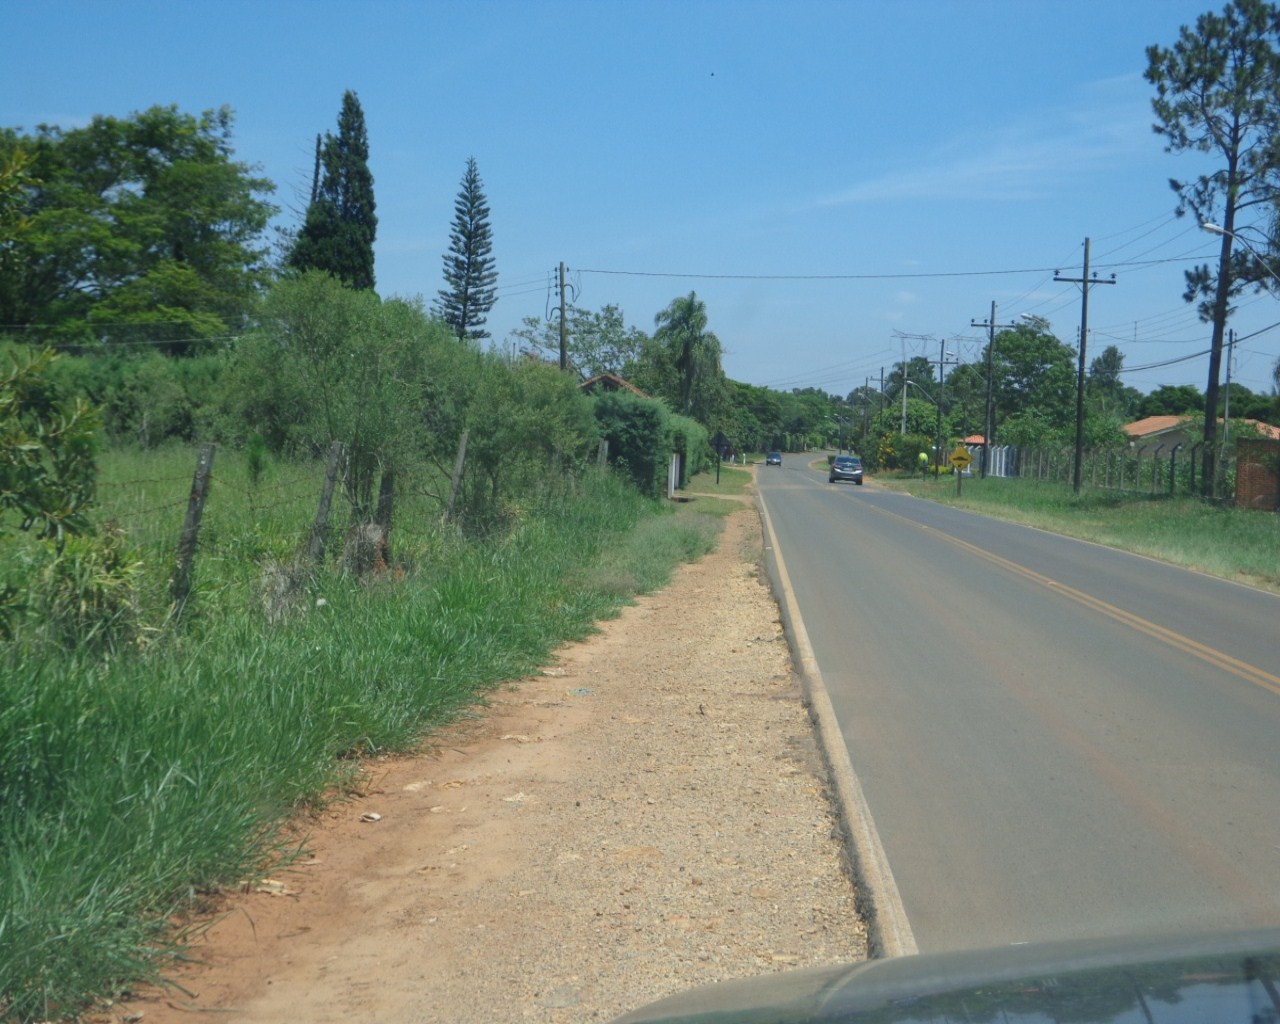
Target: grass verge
134, 787
1231, 543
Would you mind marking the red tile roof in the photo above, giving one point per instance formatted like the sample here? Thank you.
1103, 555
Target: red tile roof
1153, 425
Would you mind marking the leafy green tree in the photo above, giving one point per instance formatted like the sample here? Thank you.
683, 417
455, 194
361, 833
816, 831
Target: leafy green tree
964, 400
529, 426
1034, 376
330, 363
47, 450
688, 357
1218, 91
131, 229
1107, 394
469, 272
1171, 400
341, 222
918, 369
597, 341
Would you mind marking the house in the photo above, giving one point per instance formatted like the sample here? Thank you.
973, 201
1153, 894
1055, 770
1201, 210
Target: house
609, 382
1168, 432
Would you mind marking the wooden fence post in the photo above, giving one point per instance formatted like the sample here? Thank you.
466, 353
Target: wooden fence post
457, 476
315, 549
180, 585
382, 517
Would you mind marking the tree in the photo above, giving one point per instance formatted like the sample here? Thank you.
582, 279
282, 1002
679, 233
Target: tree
1035, 374
598, 342
1171, 400
47, 450
918, 370
529, 425
692, 353
330, 363
1218, 91
341, 224
131, 229
1108, 396
469, 272
964, 399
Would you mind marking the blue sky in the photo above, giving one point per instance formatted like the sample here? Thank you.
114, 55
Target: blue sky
842, 183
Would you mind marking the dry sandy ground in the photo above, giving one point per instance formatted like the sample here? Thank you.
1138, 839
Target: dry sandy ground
647, 814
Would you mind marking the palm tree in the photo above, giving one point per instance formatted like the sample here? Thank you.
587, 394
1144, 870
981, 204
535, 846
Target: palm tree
693, 351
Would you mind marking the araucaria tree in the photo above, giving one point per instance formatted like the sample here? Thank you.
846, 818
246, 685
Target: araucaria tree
469, 273
1218, 92
341, 224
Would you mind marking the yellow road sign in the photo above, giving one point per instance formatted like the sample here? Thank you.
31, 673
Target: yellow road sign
960, 458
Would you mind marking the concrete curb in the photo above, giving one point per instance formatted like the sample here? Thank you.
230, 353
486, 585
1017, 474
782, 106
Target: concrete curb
888, 931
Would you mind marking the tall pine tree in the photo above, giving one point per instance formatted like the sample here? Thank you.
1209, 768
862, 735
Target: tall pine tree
468, 265
341, 224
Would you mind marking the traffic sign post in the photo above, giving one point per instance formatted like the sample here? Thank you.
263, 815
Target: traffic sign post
959, 459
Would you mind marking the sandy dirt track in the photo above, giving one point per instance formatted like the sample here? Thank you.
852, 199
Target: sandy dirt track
647, 814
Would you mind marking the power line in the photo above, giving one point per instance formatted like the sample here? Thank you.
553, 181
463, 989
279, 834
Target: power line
1138, 265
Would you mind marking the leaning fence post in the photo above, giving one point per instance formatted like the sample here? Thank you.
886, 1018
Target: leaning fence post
180, 585
315, 550
457, 475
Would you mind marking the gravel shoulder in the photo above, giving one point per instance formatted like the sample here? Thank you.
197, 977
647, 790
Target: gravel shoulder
649, 813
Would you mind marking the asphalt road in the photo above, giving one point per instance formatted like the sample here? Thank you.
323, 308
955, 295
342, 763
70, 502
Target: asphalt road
1054, 740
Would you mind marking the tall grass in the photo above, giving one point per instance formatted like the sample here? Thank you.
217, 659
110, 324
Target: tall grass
1221, 540
130, 786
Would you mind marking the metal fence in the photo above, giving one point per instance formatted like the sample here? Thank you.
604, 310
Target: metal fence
1150, 469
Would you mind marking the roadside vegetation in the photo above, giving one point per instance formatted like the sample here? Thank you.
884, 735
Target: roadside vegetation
143, 773
1217, 539
384, 519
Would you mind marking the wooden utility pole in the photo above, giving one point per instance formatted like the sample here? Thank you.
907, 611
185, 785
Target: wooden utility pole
989, 427
564, 324
1085, 282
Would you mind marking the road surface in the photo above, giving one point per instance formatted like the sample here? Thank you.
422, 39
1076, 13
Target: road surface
1054, 740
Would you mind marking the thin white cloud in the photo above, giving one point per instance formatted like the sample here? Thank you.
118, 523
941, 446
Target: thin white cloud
1027, 160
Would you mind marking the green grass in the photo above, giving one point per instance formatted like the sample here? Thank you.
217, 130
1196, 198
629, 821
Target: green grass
733, 481
133, 786
1222, 541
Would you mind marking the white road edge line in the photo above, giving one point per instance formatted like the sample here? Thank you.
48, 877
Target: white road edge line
889, 931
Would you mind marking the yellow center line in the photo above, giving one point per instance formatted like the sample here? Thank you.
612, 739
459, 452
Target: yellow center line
1210, 655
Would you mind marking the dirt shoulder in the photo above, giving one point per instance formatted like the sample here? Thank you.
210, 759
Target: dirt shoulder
646, 815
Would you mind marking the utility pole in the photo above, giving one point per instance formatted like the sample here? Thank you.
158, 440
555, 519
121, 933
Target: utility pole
866, 409
942, 393
1085, 282
1226, 402
880, 410
564, 325
990, 423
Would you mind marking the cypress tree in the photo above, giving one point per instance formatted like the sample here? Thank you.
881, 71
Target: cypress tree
468, 265
341, 224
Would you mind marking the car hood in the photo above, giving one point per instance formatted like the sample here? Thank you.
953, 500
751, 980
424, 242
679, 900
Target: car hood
1233, 977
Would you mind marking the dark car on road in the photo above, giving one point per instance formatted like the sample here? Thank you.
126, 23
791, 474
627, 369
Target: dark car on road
845, 467
773, 459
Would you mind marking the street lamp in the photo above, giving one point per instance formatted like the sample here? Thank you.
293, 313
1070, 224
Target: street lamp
1218, 229
938, 408
841, 422
921, 390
